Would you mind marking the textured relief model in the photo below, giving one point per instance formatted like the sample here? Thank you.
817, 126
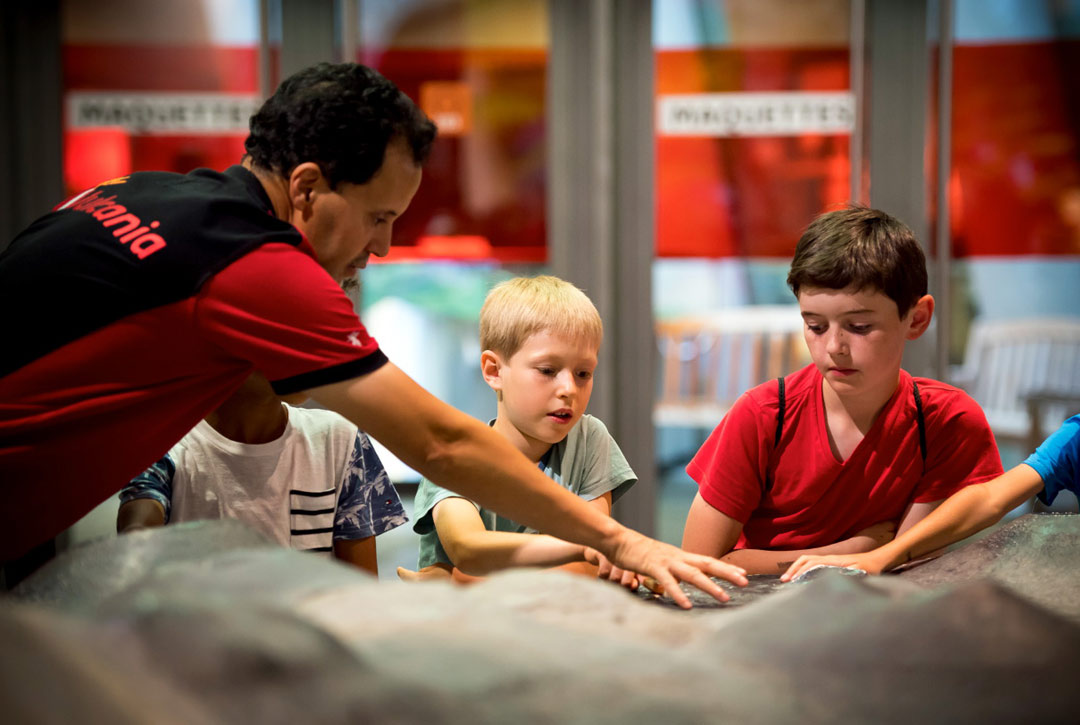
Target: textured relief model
207, 622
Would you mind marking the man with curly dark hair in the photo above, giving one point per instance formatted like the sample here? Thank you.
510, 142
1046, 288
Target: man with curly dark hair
138, 306
340, 116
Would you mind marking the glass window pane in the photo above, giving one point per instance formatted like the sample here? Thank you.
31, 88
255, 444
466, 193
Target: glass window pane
1014, 202
754, 123
159, 85
479, 69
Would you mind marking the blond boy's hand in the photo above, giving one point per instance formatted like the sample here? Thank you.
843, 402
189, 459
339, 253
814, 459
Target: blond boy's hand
428, 573
668, 566
440, 572
606, 570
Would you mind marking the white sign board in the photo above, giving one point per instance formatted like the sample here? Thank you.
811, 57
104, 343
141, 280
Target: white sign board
756, 114
163, 113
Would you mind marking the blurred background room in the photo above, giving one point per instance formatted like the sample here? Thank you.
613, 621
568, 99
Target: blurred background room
663, 155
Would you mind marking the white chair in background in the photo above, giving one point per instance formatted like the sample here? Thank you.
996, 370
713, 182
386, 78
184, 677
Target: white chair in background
1025, 374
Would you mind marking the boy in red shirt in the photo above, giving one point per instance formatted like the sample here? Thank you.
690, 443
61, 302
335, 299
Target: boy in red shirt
831, 458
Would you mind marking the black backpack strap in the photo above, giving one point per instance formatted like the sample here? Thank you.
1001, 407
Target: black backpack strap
779, 428
780, 411
920, 419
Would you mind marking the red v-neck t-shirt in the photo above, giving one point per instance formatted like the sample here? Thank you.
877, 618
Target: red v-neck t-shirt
816, 499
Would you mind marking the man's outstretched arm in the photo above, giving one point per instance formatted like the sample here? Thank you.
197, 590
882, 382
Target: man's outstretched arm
467, 457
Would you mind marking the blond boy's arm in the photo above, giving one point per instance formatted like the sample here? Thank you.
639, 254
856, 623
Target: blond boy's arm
585, 568
967, 511
712, 532
469, 458
358, 552
477, 551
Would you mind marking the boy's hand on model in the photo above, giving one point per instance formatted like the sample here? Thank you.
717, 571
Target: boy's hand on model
606, 570
668, 566
870, 562
855, 553
434, 572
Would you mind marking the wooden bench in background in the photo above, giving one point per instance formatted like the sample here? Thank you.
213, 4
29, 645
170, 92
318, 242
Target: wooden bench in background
707, 362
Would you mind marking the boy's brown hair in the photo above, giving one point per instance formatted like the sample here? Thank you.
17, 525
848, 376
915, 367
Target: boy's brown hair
524, 306
861, 248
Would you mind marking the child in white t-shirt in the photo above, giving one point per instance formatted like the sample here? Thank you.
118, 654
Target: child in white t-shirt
308, 479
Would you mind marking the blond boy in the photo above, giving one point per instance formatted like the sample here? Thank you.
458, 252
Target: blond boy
831, 458
540, 338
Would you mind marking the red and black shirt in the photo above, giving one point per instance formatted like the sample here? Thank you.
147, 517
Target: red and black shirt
133, 310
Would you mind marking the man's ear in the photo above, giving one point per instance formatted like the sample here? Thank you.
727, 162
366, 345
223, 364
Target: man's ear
920, 315
491, 368
306, 182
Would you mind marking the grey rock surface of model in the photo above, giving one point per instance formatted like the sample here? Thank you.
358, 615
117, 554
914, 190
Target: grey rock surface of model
208, 623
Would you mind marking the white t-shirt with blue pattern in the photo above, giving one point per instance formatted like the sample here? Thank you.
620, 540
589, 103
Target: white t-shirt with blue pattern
321, 480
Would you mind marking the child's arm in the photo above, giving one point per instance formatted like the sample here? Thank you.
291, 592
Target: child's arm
139, 513
145, 502
438, 571
603, 504
477, 551
367, 506
915, 513
712, 532
765, 561
967, 511
709, 531
358, 552
469, 458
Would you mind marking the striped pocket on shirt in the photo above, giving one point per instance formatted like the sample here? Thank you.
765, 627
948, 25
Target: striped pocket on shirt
311, 520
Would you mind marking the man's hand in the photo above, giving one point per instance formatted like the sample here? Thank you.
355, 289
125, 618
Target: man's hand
668, 566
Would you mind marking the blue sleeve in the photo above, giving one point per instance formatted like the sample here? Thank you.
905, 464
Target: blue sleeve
368, 504
1057, 461
153, 483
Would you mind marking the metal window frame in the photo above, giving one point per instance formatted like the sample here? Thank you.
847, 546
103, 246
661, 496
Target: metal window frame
898, 96
600, 211
31, 134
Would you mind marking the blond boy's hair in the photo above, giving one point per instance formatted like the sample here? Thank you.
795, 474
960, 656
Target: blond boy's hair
524, 306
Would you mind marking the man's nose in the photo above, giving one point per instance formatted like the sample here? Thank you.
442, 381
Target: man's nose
379, 244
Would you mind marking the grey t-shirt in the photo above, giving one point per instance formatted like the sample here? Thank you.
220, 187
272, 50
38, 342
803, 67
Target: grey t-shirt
587, 462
